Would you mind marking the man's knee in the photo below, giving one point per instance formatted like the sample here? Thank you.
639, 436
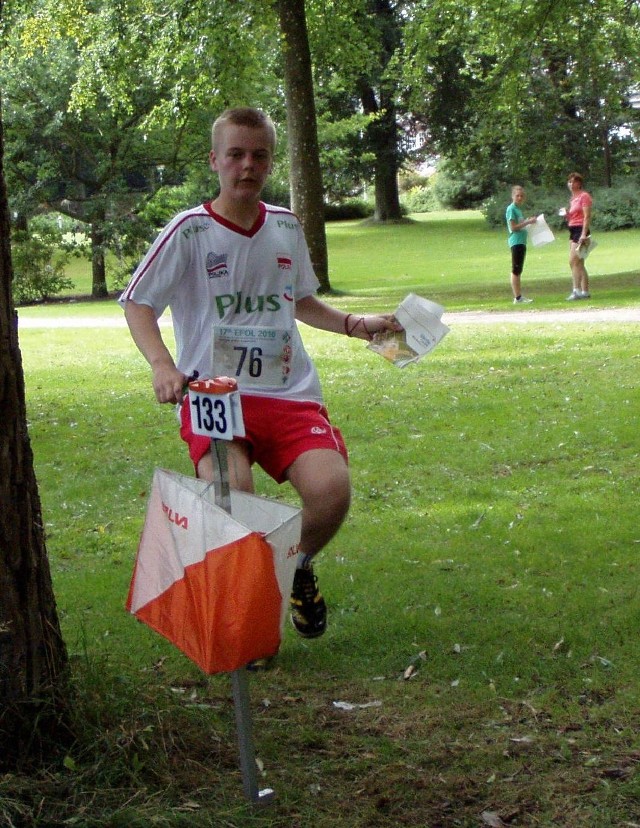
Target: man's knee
331, 489
336, 494
322, 477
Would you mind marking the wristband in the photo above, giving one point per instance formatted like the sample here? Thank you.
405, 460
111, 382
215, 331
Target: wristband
349, 330
366, 330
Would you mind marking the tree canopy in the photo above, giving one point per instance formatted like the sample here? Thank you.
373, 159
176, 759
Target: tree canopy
109, 103
527, 90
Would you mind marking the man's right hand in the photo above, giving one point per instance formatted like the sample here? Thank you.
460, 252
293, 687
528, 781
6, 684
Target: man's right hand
168, 384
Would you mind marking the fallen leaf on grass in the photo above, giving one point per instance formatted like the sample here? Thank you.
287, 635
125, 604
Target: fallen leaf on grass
343, 705
516, 520
410, 672
412, 668
603, 661
492, 819
478, 521
189, 805
522, 740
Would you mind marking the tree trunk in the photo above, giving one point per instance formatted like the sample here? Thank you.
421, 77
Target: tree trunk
307, 196
33, 658
382, 138
387, 207
98, 268
382, 132
608, 161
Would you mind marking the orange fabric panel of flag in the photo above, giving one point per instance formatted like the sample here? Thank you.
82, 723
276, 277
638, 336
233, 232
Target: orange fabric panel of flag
225, 611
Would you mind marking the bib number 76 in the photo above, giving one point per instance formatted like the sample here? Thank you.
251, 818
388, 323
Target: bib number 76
254, 363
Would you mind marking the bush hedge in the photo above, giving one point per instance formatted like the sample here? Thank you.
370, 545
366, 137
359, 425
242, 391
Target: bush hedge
421, 199
39, 259
348, 210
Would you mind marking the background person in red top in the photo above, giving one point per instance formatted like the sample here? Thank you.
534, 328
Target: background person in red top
579, 221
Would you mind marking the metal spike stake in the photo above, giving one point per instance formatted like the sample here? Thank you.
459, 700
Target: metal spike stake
239, 679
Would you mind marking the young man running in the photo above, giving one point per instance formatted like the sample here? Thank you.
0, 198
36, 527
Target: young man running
236, 264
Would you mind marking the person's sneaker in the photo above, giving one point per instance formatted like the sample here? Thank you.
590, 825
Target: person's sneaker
573, 296
308, 609
522, 300
584, 294
261, 664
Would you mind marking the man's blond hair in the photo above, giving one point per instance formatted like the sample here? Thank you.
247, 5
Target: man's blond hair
245, 116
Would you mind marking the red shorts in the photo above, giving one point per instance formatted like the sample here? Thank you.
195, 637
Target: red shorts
301, 426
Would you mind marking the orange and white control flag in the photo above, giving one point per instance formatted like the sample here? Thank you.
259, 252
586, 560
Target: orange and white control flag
214, 584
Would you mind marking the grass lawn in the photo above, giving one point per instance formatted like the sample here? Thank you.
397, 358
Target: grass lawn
482, 594
457, 260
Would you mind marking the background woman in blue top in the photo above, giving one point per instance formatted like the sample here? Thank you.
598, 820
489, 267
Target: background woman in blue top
516, 225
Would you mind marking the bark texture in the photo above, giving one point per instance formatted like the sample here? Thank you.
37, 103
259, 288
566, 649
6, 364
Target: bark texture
307, 196
33, 658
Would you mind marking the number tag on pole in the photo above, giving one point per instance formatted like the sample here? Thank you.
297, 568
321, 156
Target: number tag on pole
216, 411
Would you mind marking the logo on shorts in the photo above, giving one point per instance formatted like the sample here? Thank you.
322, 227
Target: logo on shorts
318, 430
217, 265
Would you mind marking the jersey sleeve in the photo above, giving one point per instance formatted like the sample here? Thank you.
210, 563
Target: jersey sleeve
307, 283
158, 275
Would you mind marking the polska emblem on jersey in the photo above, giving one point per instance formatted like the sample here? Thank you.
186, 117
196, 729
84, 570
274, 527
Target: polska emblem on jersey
217, 265
284, 261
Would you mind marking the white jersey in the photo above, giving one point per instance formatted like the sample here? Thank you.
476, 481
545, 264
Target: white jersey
209, 272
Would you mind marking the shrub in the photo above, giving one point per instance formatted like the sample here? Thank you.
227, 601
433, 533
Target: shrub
39, 260
410, 180
420, 200
617, 208
459, 191
350, 209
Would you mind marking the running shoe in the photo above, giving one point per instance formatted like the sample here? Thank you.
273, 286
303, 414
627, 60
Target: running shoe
308, 609
261, 664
